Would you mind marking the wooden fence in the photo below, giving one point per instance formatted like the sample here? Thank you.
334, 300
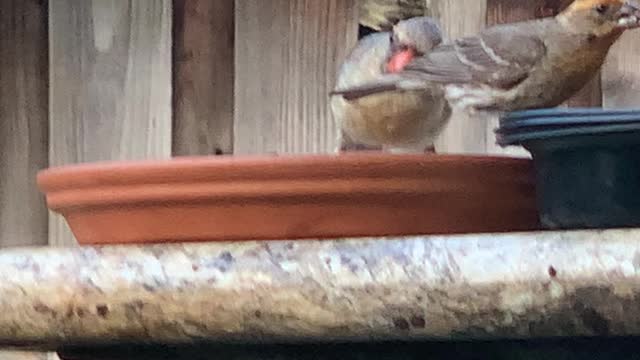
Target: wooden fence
89, 80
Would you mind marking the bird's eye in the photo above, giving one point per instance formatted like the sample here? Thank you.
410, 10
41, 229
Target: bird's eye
602, 8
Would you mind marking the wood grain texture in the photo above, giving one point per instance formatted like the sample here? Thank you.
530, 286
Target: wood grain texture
621, 73
203, 62
23, 129
287, 57
110, 84
459, 18
23, 121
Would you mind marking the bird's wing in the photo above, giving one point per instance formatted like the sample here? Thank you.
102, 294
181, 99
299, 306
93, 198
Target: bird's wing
497, 57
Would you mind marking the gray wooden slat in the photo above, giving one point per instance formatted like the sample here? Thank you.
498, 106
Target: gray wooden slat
23, 121
621, 73
110, 84
287, 56
203, 62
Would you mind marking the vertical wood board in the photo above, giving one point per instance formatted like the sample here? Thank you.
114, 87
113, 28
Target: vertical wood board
23, 121
23, 128
621, 73
110, 84
203, 73
287, 58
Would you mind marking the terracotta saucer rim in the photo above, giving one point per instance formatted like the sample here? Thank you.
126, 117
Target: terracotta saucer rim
198, 169
308, 191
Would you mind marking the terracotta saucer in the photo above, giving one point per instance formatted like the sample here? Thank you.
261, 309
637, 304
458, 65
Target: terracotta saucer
291, 197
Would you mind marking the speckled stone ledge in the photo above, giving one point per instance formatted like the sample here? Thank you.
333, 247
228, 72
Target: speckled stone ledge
488, 286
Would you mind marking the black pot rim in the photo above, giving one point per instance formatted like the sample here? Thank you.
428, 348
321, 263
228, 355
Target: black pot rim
541, 124
567, 112
520, 138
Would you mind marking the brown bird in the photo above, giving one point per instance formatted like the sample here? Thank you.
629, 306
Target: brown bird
398, 121
525, 65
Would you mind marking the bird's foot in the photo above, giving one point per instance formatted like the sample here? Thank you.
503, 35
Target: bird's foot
430, 150
411, 150
350, 148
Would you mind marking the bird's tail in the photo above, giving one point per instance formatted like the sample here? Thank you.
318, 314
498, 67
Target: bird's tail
357, 92
376, 87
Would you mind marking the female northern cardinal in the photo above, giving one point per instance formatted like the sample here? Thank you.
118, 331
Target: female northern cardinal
396, 121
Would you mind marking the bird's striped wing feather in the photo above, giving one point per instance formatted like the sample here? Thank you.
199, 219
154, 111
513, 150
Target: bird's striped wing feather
500, 59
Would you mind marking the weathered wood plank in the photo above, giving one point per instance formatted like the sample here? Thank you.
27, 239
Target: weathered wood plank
287, 56
110, 84
203, 62
621, 73
23, 121
23, 128
460, 18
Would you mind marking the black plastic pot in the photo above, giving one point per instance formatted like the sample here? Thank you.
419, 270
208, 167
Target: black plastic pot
587, 164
